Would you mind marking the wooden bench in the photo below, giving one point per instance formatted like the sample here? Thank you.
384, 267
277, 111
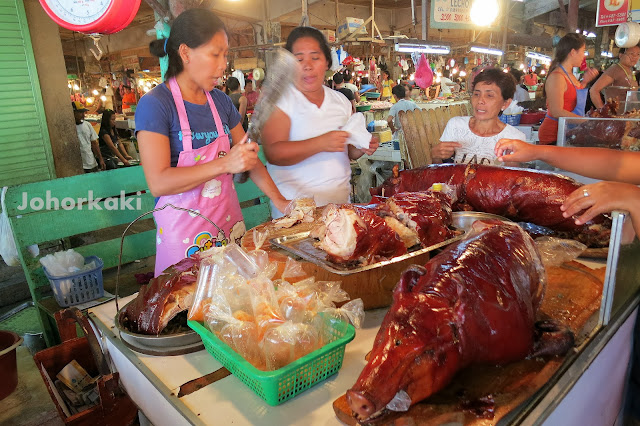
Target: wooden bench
422, 129
96, 229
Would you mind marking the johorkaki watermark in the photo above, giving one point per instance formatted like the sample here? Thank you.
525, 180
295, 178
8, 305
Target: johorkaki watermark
50, 202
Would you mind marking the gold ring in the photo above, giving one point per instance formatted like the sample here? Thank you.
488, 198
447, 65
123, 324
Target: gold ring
585, 192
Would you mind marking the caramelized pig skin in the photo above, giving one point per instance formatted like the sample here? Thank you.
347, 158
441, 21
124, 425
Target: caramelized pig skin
473, 303
517, 194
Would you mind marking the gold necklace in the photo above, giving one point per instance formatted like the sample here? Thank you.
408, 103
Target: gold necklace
626, 73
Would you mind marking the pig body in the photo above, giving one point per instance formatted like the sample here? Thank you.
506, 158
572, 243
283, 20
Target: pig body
475, 302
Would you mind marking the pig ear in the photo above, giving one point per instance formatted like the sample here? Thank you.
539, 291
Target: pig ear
409, 279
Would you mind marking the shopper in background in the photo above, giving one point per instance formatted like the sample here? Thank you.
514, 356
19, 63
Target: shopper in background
338, 85
403, 103
348, 77
566, 96
619, 74
239, 100
129, 98
252, 94
88, 138
112, 150
521, 94
385, 86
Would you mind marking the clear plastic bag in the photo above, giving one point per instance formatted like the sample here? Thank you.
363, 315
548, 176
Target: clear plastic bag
556, 251
64, 263
290, 341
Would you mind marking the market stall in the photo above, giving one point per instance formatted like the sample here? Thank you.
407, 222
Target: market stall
195, 389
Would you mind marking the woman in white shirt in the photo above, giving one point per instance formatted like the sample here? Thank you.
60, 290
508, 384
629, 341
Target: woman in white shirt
307, 153
472, 139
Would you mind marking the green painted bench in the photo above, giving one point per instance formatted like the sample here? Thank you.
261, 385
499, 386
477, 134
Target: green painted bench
93, 231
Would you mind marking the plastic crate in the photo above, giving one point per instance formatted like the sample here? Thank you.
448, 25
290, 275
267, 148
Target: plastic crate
276, 387
78, 288
511, 119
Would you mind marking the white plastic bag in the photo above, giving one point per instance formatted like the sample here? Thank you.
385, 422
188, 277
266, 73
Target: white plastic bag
8, 249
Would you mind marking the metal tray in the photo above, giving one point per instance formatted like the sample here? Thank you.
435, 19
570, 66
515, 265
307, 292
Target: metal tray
162, 345
304, 246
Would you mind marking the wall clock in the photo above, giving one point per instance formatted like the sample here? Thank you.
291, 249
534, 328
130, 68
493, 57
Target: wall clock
92, 16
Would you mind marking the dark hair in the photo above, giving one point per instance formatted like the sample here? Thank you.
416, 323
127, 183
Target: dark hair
193, 27
566, 44
105, 124
232, 84
347, 76
301, 32
338, 78
624, 49
385, 71
517, 74
399, 91
505, 81
364, 80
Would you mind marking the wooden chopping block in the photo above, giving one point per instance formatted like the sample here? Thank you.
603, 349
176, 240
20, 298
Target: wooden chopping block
572, 296
374, 287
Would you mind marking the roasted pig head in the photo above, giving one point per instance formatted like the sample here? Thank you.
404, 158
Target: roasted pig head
475, 302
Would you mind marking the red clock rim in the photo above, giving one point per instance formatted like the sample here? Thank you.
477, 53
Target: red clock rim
92, 27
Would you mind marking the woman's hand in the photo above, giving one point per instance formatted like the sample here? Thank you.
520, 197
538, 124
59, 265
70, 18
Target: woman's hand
282, 204
128, 157
335, 141
515, 150
444, 150
373, 145
598, 198
589, 75
241, 157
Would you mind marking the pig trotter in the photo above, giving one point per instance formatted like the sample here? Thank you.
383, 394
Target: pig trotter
552, 339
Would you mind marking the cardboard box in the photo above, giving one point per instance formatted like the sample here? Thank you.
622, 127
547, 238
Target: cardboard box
351, 25
383, 136
330, 35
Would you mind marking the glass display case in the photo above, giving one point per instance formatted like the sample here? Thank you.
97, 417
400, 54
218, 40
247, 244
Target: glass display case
616, 133
618, 93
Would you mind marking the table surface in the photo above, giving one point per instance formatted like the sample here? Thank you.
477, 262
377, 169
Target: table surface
229, 401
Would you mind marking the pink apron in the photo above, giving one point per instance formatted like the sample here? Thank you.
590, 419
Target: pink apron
180, 234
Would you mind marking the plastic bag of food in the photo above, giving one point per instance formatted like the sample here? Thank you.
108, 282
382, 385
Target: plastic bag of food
247, 267
242, 337
555, 251
352, 311
290, 341
330, 293
212, 271
261, 257
293, 271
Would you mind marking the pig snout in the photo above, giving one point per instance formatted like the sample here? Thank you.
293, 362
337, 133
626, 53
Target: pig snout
361, 406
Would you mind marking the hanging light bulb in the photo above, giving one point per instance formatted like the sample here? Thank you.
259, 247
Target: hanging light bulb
543, 72
484, 12
463, 73
69, 85
412, 77
103, 98
95, 92
454, 71
76, 87
521, 66
89, 101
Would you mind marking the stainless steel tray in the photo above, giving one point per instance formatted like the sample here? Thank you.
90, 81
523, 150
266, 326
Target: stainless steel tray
162, 345
304, 246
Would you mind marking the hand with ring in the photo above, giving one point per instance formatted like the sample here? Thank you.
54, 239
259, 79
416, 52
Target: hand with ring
602, 197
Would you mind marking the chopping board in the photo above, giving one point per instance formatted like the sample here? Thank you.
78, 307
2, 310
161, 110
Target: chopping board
572, 296
374, 286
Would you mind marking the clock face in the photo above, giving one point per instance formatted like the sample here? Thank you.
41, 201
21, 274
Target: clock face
78, 12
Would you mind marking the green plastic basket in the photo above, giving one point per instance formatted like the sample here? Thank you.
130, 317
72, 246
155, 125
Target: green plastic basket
278, 386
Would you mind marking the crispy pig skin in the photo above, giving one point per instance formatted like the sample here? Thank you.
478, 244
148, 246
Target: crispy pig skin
162, 299
517, 194
475, 302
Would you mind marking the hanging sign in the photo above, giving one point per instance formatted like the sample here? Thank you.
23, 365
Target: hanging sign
634, 11
451, 14
612, 12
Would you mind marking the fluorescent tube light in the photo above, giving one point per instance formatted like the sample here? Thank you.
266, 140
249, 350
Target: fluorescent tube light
486, 50
422, 48
539, 57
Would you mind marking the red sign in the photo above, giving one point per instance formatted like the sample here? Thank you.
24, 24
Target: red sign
612, 12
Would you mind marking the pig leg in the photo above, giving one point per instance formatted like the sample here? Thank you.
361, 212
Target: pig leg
552, 339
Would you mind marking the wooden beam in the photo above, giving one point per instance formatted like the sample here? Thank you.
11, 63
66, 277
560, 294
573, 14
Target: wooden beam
533, 8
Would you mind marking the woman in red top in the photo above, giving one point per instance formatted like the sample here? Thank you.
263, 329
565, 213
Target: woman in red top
566, 97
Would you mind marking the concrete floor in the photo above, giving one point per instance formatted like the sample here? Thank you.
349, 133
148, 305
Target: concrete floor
30, 404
